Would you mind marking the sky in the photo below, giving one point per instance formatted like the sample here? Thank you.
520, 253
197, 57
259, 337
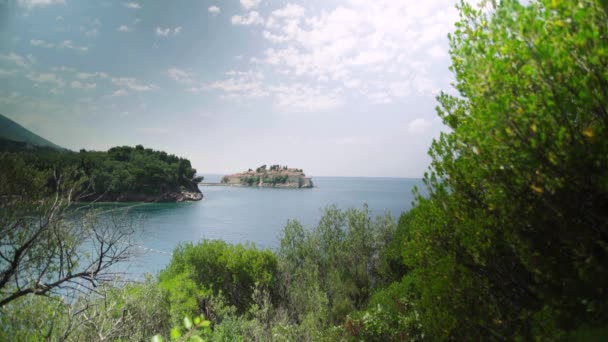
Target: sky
337, 88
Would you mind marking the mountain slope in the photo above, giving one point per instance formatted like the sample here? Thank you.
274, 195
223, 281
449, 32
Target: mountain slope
10, 130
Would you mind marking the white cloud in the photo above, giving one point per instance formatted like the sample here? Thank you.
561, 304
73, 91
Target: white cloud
14, 58
290, 11
379, 97
304, 98
351, 141
214, 10
68, 44
91, 33
252, 18
63, 68
119, 92
380, 50
166, 32
132, 5
437, 52
124, 28
180, 75
352, 83
5, 72
86, 76
163, 32
83, 86
249, 4
132, 84
419, 126
153, 130
50, 78
91, 28
370, 57
41, 43
29, 4
31, 59
239, 85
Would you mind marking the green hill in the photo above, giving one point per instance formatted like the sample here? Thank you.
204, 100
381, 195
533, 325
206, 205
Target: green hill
10, 130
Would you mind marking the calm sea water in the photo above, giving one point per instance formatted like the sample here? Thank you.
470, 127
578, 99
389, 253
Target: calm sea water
258, 215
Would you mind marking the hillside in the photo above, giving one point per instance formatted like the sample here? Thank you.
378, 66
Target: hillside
121, 174
10, 130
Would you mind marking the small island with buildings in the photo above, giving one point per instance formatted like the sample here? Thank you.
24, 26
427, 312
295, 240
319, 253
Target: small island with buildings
275, 176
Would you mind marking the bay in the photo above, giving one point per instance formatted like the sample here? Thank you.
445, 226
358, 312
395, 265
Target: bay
257, 215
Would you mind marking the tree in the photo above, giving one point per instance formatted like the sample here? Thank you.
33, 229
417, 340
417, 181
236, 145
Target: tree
513, 240
214, 268
43, 237
335, 265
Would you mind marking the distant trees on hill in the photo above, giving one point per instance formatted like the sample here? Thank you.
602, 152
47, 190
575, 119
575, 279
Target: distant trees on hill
119, 170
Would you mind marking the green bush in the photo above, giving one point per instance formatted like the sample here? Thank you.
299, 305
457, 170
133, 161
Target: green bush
134, 312
390, 316
333, 269
198, 273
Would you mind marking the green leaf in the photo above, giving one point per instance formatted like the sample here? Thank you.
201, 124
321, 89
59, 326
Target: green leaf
175, 333
187, 322
157, 338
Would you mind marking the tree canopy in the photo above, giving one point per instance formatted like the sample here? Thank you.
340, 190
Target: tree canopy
513, 240
120, 170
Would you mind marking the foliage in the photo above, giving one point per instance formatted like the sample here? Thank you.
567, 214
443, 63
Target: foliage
192, 331
333, 269
198, 271
513, 239
33, 318
250, 180
261, 169
42, 236
390, 316
130, 313
117, 171
301, 293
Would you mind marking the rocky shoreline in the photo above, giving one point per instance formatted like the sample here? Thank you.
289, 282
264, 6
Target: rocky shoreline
190, 195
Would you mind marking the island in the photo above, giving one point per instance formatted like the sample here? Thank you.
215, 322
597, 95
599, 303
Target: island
275, 176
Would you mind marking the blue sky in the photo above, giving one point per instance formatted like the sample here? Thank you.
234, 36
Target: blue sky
338, 88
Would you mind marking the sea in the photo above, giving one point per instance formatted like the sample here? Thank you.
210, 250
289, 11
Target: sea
255, 215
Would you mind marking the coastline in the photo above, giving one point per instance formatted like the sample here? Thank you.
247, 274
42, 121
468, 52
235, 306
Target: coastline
166, 197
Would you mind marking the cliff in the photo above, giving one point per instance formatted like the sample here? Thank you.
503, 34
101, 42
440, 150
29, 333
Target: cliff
273, 177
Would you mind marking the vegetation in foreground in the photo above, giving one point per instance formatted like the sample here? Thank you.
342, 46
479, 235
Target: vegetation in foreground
510, 244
